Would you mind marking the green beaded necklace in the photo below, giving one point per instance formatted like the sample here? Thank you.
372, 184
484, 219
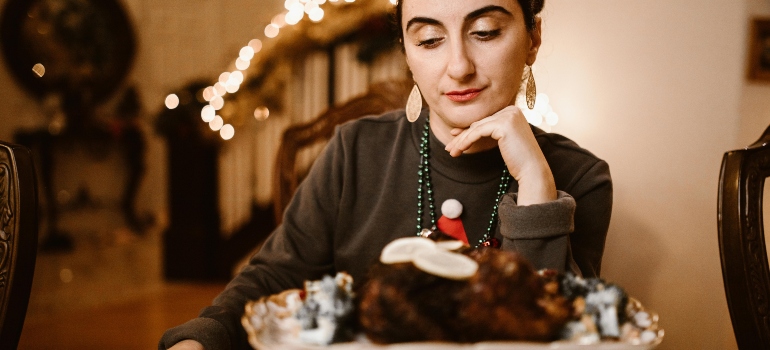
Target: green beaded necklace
423, 180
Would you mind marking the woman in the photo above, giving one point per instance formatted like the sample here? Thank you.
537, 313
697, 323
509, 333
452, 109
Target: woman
371, 185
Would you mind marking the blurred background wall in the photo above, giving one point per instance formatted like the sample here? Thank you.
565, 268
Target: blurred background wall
655, 87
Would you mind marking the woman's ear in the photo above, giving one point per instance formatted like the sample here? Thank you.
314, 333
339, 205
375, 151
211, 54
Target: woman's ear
535, 41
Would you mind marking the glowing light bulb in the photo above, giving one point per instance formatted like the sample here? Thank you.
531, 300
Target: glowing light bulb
227, 132
233, 88
216, 123
279, 20
289, 3
297, 7
208, 93
241, 64
223, 77
39, 70
219, 89
309, 7
217, 103
316, 14
261, 113
256, 44
271, 31
293, 17
172, 101
236, 77
246, 53
394, 2
208, 113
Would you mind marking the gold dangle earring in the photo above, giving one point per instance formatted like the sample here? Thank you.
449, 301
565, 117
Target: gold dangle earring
531, 92
414, 104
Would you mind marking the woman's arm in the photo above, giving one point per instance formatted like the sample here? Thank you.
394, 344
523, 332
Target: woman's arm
568, 233
519, 148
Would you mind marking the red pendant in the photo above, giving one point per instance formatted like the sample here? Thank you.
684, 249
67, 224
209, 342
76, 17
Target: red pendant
492, 242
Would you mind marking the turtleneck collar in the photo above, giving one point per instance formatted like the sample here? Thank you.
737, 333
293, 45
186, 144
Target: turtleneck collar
468, 168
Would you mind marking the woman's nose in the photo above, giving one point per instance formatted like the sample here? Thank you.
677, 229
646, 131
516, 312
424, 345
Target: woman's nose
460, 66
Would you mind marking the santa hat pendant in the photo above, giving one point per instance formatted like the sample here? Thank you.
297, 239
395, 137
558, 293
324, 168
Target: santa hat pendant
450, 223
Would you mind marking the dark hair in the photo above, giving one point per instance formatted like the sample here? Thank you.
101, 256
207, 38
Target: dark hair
530, 8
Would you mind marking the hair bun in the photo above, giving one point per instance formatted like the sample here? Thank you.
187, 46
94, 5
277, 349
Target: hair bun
537, 6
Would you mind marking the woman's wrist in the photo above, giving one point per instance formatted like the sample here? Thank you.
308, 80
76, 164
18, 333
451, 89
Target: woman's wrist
536, 186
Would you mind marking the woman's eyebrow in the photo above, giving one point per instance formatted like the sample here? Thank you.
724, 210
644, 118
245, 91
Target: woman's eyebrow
473, 15
423, 20
487, 9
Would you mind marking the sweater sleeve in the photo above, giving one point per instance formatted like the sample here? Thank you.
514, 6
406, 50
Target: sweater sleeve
568, 233
540, 232
299, 249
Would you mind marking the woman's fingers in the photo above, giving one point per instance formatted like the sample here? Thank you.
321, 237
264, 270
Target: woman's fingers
463, 141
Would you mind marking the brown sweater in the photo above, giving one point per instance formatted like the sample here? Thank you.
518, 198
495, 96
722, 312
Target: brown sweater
361, 193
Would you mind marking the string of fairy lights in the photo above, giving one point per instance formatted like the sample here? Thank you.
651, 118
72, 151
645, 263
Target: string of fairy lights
229, 82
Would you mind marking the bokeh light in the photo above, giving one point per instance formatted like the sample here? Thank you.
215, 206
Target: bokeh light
208, 113
216, 124
271, 31
256, 44
172, 101
39, 70
246, 53
217, 103
261, 113
227, 132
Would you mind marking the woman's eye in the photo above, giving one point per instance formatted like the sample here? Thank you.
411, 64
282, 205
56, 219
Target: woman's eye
486, 34
429, 43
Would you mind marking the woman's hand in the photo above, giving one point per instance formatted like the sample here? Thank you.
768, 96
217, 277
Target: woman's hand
188, 344
522, 155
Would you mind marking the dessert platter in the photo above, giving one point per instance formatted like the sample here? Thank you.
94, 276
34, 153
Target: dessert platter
425, 294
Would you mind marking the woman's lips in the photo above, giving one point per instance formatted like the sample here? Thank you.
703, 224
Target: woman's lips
463, 95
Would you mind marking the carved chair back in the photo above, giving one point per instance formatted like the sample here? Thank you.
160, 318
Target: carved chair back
379, 98
742, 242
18, 239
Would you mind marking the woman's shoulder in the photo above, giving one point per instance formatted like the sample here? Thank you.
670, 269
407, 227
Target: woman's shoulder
569, 162
380, 123
392, 117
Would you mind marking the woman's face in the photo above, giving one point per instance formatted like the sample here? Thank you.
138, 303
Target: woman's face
467, 56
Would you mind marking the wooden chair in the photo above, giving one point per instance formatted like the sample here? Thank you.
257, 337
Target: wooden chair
18, 239
742, 242
380, 98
